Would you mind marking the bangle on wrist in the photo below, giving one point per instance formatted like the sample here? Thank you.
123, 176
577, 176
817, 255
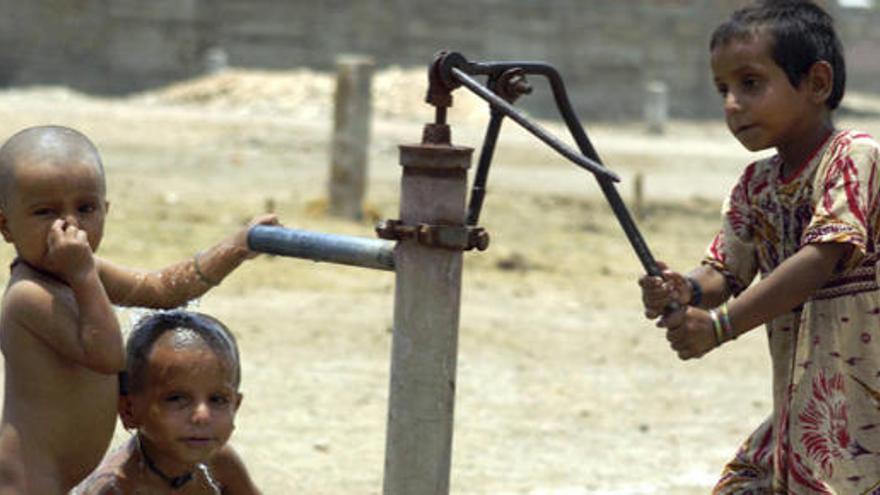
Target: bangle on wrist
721, 324
696, 292
200, 273
716, 325
726, 326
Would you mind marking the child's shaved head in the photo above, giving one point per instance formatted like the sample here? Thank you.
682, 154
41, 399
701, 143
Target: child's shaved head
50, 144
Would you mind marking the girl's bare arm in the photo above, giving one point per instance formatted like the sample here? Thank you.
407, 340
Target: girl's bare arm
788, 286
691, 332
712, 284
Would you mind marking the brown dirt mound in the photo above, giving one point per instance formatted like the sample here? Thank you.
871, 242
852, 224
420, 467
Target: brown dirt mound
300, 92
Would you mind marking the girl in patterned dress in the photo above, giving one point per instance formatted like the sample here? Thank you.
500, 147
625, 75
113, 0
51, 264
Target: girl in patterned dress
806, 220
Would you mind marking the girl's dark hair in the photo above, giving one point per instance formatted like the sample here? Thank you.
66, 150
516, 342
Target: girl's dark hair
801, 33
148, 330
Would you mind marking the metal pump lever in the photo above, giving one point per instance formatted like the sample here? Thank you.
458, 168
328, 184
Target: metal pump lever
451, 70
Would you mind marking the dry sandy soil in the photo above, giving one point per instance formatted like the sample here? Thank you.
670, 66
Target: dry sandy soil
563, 387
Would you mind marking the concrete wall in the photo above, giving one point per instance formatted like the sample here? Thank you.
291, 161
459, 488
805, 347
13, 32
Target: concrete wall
605, 50
861, 37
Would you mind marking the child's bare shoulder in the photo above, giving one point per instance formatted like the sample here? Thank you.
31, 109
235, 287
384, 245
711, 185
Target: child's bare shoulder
229, 470
29, 295
226, 457
38, 312
31, 298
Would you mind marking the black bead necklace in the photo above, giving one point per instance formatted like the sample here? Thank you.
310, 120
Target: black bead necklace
175, 482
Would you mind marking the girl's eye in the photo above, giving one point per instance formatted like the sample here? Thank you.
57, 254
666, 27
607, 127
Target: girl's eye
722, 90
750, 83
42, 212
175, 399
88, 208
220, 400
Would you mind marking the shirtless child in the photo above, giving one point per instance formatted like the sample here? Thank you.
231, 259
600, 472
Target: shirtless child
58, 332
180, 395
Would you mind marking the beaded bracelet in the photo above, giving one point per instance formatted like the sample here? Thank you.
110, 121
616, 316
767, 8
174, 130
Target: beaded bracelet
200, 273
696, 292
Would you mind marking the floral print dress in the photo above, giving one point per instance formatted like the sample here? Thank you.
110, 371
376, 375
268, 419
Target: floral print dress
823, 435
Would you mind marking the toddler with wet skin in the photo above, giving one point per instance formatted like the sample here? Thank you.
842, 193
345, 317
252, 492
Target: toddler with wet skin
58, 332
180, 394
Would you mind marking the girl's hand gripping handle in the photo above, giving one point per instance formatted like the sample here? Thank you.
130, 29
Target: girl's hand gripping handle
666, 293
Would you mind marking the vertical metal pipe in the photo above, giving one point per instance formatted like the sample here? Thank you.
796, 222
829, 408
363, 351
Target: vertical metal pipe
478, 190
424, 349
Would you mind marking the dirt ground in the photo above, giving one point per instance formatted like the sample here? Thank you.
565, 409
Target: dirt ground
563, 387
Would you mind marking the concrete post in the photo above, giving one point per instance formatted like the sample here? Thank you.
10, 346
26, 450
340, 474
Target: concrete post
351, 136
656, 106
639, 195
426, 312
215, 60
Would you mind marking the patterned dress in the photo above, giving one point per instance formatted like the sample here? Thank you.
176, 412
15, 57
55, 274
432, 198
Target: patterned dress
823, 435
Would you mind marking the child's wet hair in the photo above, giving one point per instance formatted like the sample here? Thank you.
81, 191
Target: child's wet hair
148, 330
801, 33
